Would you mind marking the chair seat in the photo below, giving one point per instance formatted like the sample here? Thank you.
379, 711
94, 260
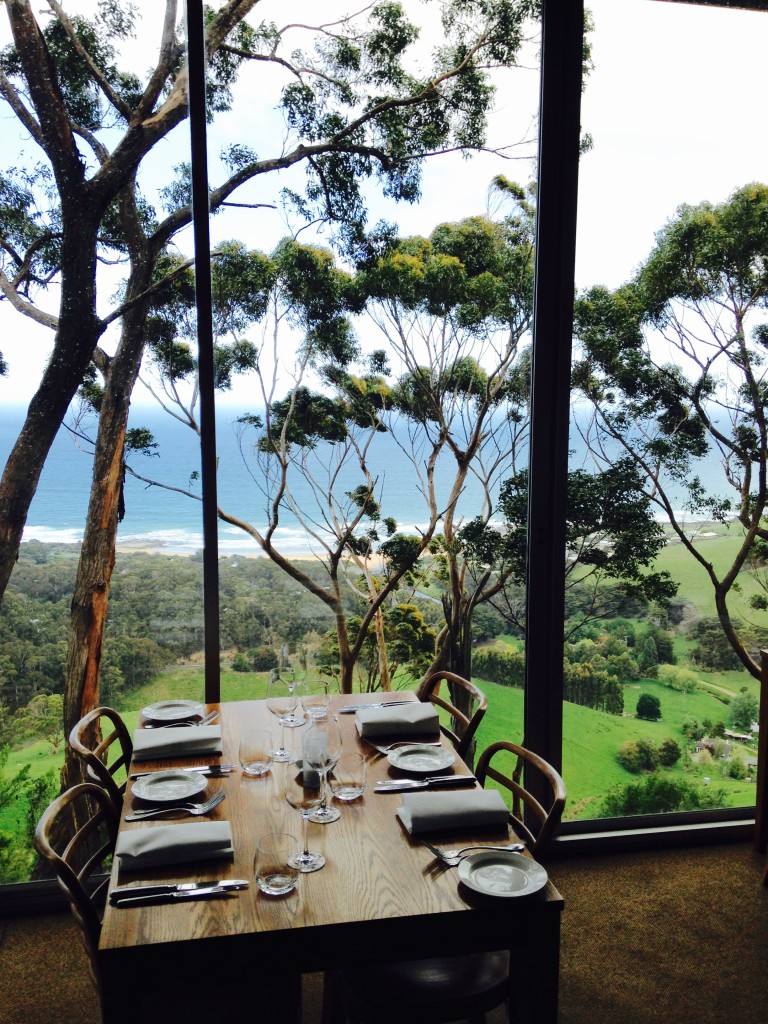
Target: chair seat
440, 989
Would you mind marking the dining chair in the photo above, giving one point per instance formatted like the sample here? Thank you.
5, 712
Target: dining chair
506, 764
102, 740
444, 989
76, 835
464, 702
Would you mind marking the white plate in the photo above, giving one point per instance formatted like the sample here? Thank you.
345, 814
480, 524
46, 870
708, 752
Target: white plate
423, 760
166, 787
173, 710
496, 873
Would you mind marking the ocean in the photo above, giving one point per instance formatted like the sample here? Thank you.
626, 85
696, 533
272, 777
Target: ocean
164, 520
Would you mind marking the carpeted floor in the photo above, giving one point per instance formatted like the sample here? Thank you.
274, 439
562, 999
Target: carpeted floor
670, 937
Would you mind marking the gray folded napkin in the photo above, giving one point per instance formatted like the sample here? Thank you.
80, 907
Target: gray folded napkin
195, 739
154, 845
469, 809
415, 719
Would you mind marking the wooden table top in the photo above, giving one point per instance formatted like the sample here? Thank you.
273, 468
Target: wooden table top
378, 885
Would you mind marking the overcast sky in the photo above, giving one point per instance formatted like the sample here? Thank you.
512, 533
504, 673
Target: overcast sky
675, 108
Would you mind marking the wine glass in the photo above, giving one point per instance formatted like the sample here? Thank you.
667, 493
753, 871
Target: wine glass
281, 701
322, 749
288, 672
301, 788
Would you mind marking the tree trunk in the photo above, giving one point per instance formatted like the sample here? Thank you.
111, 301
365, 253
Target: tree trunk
76, 338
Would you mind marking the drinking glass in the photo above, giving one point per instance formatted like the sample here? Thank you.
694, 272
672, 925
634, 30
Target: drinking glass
322, 749
289, 673
349, 776
281, 701
301, 788
315, 697
274, 873
257, 751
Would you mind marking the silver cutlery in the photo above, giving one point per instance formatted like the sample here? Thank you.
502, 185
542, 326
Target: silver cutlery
453, 857
350, 708
206, 769
397, 785
187, 808
131, 892
187, 894
400, 743
186, 724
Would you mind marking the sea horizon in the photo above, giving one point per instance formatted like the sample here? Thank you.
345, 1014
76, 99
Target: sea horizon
170, 522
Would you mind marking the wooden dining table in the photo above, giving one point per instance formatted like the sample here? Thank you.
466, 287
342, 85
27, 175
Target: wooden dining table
381, 895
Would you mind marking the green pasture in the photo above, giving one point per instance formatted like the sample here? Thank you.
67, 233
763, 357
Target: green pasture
692, 578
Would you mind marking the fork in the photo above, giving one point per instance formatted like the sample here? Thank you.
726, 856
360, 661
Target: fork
189, 808
454, 857
399, 743
210, 717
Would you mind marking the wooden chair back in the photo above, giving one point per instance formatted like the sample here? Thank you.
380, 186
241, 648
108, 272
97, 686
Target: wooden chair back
506, 755
465, 703
76, 835
102, 740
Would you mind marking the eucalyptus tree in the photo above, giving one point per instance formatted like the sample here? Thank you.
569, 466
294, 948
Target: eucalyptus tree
455, 311
356, 104
674, 366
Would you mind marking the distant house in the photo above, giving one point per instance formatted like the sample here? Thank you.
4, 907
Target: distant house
741, 737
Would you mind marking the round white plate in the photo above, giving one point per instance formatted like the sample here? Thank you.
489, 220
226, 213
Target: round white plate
423, 760
173, 710
496, 873
166, 787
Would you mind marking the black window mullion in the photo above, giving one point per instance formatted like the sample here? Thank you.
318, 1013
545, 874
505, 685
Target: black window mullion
196, 63
558, 161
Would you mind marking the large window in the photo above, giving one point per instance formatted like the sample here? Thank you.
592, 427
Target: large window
375, 363
663, 628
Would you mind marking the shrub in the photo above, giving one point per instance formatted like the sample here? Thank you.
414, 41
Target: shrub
657, 794
669, 752
638, 755
240, 663
648, 707
681, 679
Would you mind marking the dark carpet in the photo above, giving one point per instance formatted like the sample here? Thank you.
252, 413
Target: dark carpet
666, 937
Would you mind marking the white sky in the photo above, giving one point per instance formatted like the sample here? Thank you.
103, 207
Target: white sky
674, 106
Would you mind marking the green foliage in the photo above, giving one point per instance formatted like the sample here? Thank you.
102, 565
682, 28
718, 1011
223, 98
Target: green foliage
659, 794
22, 800
744, 711
712, 650
669, 752
507, 668
639, 755
592, 687
648, 658
677, 678
648, 707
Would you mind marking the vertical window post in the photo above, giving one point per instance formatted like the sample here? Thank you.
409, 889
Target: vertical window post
558, 165
196, 62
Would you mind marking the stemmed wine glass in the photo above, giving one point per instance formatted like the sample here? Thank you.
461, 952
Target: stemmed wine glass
281, 701
322, 749
289, 674
302, 790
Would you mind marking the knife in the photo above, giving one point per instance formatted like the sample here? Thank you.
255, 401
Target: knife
135, 893
379, 704
435, 780
206, 769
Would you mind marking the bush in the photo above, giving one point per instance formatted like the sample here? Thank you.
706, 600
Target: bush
659, 794
681, 679
240, 663
669, 752
648, 707
638, 756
